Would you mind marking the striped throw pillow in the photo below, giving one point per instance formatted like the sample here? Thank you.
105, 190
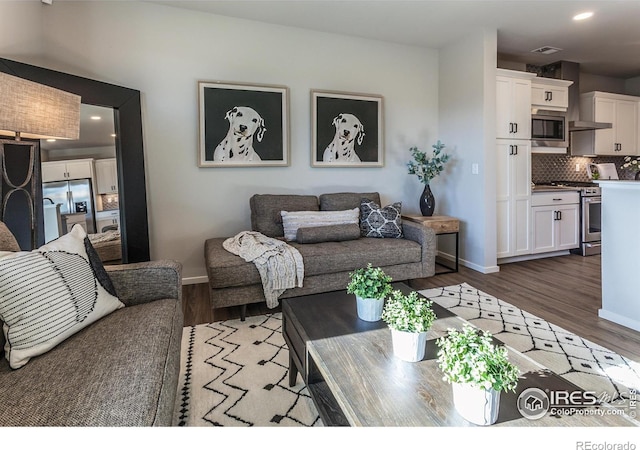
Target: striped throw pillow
51, 293
292, 220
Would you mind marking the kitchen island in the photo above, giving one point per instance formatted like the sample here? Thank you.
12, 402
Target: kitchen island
620, 252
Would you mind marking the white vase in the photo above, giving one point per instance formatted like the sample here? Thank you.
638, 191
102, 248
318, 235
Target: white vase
409, 346
477, 405
369, 309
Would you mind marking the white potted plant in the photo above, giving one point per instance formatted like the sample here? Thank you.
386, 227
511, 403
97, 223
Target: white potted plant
409, 317
371, 286
478, 371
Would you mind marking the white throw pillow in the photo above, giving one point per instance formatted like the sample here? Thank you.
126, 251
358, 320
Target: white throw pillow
292, 220
49, 294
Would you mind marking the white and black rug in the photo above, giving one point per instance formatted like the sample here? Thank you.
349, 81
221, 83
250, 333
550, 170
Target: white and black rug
234, 373
584, 363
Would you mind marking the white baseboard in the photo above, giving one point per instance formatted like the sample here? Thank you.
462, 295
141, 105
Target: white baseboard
195, 280
620, 320
470, 265
531, 257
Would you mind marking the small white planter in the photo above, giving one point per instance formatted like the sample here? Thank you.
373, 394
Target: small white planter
369, 309
409, 346
479, 406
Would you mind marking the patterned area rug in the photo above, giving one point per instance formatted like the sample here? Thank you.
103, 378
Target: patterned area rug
584, 363
235, 373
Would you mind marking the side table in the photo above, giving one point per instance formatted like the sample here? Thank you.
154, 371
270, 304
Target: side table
442, 225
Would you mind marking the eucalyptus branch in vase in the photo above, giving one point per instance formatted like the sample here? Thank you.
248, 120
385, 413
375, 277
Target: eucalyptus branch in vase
426, 169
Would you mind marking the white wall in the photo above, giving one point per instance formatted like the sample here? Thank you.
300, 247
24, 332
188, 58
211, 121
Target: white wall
467, 125
632, 86
163, 52
590, 82
21, 30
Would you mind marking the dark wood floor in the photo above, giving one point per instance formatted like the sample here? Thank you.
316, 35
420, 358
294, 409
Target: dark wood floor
564, 291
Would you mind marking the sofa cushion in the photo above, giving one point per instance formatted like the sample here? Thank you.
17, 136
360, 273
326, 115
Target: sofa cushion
380, 222
292, 220
51, 293
265, 211
112, 373
228, 270
345, 200
333, 257
314, 235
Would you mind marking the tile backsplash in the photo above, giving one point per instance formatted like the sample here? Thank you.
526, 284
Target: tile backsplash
110, 202
553, 167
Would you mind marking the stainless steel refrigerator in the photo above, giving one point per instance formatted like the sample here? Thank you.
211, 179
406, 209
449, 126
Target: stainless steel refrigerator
75, 196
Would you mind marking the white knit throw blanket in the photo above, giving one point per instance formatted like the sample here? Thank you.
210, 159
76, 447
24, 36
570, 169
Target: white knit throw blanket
280, 265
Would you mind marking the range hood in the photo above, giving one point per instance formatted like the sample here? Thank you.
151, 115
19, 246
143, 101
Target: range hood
585, 125
567, 70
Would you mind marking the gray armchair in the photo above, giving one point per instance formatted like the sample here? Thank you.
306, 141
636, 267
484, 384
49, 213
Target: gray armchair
121, 370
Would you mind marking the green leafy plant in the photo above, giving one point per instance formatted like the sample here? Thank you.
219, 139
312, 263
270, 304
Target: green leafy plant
427, 168
369, 282
408, 312
470, 356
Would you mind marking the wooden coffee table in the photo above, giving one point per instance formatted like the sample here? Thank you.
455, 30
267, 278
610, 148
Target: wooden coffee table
354, 379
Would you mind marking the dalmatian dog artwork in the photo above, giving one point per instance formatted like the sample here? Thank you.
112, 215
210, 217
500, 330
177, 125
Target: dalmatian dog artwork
237, 146
349, 130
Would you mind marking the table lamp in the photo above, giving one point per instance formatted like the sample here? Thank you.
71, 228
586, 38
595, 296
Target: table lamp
32, 111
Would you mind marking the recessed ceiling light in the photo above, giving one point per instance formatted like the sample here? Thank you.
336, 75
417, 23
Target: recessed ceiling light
51, 140
96, 117
583, 16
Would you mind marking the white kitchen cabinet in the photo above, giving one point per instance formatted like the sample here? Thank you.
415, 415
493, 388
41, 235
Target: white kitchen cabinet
69, 220
106, 176
67, 170
549, 93
621, 111
107, 218
513, 104
513, 195
555, 221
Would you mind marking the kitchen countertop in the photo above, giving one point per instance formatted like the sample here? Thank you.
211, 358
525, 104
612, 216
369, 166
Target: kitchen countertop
550, 188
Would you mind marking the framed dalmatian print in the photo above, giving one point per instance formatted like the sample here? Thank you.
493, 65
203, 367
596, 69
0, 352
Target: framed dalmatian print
347, 129
243, 125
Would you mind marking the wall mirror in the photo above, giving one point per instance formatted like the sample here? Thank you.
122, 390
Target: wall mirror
124, 103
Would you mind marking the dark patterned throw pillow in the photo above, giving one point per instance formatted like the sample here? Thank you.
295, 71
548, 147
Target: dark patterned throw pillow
380, 222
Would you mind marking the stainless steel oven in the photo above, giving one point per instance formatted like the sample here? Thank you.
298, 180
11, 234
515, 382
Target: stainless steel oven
591, 221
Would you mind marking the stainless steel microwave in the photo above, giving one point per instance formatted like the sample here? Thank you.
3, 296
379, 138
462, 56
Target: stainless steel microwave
549, 129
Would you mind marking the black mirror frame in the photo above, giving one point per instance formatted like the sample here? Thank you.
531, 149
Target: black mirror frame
129, 146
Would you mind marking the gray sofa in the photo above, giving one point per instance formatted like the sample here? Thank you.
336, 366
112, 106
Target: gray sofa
119, 371
233, 281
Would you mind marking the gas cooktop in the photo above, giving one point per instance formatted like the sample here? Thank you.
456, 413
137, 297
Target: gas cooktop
574, 183
586, 188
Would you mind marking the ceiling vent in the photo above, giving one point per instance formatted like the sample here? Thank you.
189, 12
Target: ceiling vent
546, 50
